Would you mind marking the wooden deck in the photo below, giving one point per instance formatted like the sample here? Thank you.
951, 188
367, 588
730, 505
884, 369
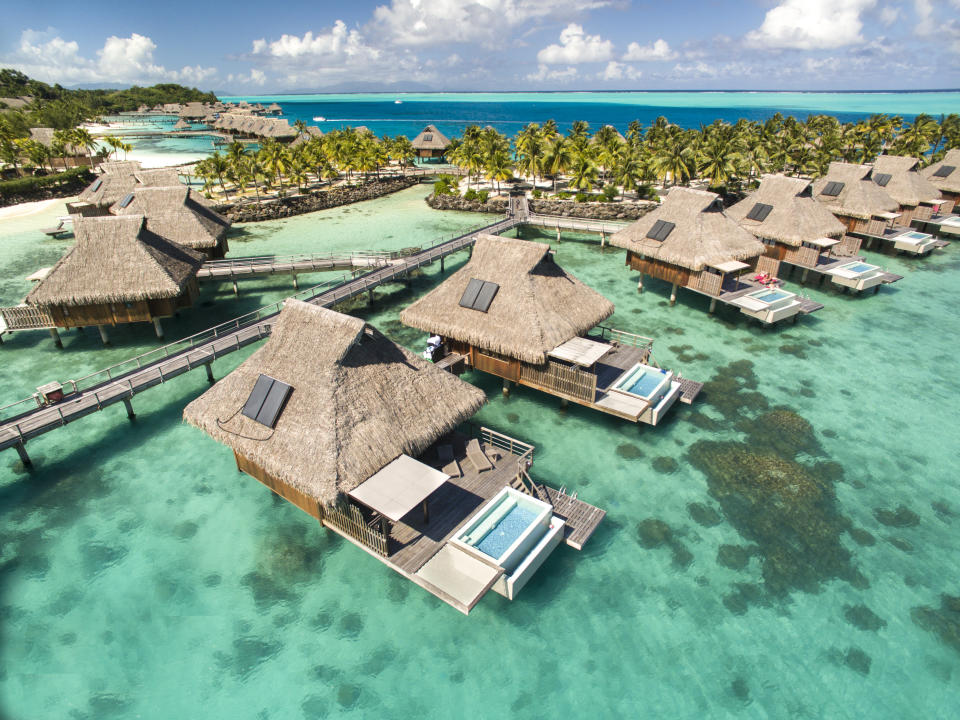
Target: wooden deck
581, 518
244, 267
745, 286
689, 389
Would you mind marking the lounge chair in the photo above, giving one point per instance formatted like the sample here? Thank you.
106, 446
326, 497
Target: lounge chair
475, 455
448, 462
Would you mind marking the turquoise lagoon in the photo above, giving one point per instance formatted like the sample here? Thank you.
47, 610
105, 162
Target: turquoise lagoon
780, 549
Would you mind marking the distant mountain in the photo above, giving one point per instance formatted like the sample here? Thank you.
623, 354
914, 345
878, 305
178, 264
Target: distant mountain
99, 86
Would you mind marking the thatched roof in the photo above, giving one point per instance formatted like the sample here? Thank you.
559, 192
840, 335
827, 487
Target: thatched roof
860, 197
176, 214
158, 177
795, 218
108, 189
538, 305
430, 139
703, 233
44, 136
116, 259
359, 401
120, 167
181, 125
193, 110
255, 125
274, 107
312, 131
907, 186
951, 181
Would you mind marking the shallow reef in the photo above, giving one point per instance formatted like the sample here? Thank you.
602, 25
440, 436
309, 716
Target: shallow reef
944, 621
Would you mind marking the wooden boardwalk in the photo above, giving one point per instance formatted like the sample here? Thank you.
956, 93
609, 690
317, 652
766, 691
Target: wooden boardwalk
27, 418
244, 267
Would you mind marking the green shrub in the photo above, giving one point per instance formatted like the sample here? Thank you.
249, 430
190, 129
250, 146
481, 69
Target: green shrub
470, 194
537, 193
563, 195
610, 192
646, 192
582, 197
483, 195
72, 177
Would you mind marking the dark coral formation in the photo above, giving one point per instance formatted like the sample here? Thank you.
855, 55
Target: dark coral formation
862, 617
944, 622
665, 465
733, 390
629, 451
704, 515
735, 557
901, 517
783, 431
654, 533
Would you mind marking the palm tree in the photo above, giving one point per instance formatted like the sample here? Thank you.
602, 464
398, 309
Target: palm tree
672, 161
60, 145
498, 167
627, 170
529, 143
557, 159
717, 160
82, 138
583, 173
126, 147
218, 166
114, 142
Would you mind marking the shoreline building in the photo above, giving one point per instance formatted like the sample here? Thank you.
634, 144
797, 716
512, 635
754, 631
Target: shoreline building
430, 143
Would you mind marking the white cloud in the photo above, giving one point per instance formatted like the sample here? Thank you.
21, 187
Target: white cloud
48, 57
889, 15
659, 50
576, 47
545, 72
619, 71
938, 25
444, 22
812, 24
254, 77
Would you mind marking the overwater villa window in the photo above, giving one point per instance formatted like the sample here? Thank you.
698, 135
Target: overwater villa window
267, 400
759, 212
882, 179
478, 295
832, 189
660, 230
128, 198
944, 171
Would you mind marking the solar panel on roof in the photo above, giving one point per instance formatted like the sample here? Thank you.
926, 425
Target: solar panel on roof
266, 400
882, 179
485, 296
470, 294
832, 189
128, 198
759, 212
944, 170
660, 230
428, 137
96, 185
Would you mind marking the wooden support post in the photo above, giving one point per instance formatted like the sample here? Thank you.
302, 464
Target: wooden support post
426, 512
564, 403
506, 387
370, 296
803, 278
236, 290
559, 238
603, 239
296, 282
673, 294
441, 264
56, 337
210, 378
104, 338
129, 406
640, 284
876, 289
24, 458
157, 327
713, 305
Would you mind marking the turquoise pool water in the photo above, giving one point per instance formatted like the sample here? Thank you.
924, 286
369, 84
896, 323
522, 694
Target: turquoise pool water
644, 385
502, 535
860, 267
770, 296
782, 548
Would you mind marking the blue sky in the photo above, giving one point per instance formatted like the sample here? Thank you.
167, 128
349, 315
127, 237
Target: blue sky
490, 44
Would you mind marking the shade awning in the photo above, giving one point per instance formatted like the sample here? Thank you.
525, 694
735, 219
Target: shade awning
398, 487
729, 266
824, 242
580, 351
888, 215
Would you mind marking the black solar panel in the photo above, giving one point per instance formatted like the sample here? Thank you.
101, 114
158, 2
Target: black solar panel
759, 212
485, 297
266, 400
832, 189
96, 185
944, 170
882, 179
127, 199
428, 137
660, 230
470, 294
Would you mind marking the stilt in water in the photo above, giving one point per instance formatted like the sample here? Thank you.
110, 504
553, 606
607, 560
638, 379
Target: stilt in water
803, 278
640, 284
157, 327
713, 305
24, 458
104, 338
56, 337
506, 387
210, 378
370, 296
296, 282
442, 268
129, 406
236, 290
673, 294
603, 239
559, 238
564, 403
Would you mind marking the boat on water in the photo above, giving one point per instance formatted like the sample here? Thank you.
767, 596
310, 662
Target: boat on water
398, 102
319, 118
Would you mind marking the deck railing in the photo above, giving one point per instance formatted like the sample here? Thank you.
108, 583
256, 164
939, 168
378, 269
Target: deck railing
26, 317
366, 259
570, 381
622, 337
352, 523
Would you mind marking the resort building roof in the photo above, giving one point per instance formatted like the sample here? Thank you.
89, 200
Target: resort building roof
904, 184
116, 259
181, 124
525, 305
108, 189
358, 402
430, 139
120, 167
945, 174
158, 177
176, 214
690, 229
783, 210
848, 190
44, 136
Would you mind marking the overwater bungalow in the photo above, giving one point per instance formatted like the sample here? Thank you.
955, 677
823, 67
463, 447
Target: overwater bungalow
118, 271
275, 109
181, 124
369, 439
430, 143
917, 197
945, 176
116, 183
866, 209
799, 232
691, 242
181, 215
513, 312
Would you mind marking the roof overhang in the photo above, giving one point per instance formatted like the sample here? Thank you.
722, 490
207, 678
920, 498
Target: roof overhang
887, 215
580, 351
398, 487
824, 242
728, 266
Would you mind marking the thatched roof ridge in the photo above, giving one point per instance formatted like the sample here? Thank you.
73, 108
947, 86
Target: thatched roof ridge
796, 217
437, 141
703, 234
158, 177
907, 186
177, 214
116, 259
537, 307
860, 197
120, 167
950, 183
359, 401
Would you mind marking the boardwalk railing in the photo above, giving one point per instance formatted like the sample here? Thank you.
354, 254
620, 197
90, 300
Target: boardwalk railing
554, 377
26, 317
269, 264
559, 222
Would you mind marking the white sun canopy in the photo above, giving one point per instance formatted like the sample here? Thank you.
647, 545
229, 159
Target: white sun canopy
580, 351
398, 487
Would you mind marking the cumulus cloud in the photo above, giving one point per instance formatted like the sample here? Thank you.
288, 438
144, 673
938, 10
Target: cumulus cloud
576, 47
619, 71
889, 15
659, 50
443, 22
811, 24
48, 57
546, 73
